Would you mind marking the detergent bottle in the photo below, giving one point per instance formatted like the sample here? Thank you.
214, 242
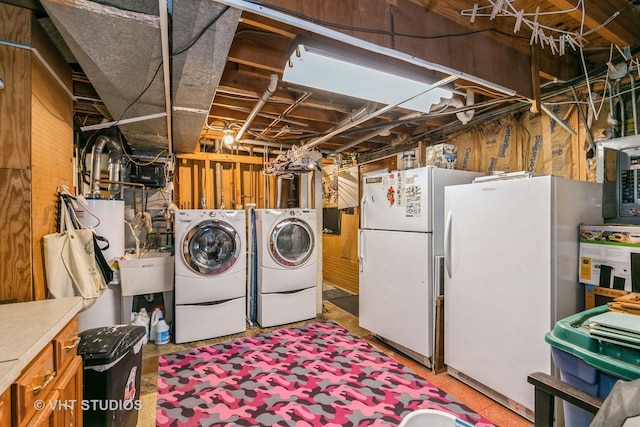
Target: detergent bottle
145, 316
140, 320
162, 332
155, 317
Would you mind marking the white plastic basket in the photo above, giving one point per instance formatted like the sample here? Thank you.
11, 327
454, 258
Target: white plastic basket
432, 418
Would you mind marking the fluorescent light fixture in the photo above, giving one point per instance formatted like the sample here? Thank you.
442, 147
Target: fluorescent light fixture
345, 72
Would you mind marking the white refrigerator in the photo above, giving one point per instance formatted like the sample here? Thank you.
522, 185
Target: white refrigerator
401, 233
511, 261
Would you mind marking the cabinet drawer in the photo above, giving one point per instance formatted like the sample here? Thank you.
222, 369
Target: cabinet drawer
34, 384
65, 344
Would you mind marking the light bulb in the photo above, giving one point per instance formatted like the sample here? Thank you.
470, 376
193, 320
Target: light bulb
228, 138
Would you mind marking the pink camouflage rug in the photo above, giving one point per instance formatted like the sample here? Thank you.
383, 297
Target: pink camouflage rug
315, 375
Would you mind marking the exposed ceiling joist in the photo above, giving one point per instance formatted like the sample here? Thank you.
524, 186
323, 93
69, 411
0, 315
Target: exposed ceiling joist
220, 76
597, 12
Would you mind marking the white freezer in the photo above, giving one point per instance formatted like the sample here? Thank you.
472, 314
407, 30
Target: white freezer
511, 261
395, 298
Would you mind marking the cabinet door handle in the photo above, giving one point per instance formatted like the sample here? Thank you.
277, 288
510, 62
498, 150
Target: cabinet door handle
50, 375
74, 344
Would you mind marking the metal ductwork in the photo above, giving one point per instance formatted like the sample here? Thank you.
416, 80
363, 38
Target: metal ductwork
119, 45
273, 85
353, 120
375, 133
115, 164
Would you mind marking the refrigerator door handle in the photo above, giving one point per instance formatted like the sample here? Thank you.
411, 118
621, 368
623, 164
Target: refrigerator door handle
360, 249
362, 203
447, 243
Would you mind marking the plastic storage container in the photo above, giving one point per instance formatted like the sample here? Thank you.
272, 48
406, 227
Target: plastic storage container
112, 361
587, 363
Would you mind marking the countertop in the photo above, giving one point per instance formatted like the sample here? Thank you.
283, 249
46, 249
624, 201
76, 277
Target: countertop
27, 328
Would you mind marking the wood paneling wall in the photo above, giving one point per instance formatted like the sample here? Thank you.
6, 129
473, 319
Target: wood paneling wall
15, 175
51, 147
340, 253
36, 150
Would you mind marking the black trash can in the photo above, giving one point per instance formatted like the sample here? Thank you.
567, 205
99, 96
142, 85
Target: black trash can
112, 361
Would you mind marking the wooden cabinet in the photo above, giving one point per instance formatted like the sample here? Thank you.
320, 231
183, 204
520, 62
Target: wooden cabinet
69, 387
5, 409
49, 390
46, 415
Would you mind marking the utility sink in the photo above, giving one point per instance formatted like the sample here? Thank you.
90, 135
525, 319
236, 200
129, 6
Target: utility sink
151, 273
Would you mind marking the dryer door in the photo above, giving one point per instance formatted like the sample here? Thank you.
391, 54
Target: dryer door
212, 247
291, 242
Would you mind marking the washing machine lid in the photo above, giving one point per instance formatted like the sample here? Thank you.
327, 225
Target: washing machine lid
291, 242
211, 247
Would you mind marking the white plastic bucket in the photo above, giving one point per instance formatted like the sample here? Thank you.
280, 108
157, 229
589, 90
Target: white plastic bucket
432, 418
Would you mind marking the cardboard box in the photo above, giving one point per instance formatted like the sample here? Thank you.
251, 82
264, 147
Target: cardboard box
610, 256
595, 296
441, 155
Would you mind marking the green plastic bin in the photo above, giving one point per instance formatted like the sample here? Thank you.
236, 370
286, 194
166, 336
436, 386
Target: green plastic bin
588, 363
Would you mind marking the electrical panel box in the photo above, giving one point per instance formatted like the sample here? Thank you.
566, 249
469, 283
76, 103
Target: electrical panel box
618, 169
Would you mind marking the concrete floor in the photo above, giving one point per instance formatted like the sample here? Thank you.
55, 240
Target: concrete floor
488, 408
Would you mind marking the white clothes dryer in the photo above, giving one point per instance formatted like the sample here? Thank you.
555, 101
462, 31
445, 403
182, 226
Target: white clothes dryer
287, 265
287, 255
210, 273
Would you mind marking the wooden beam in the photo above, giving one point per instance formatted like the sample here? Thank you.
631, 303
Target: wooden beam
267, 25
195, 170
237, 181
598, 11
185, 187
252, 50
535, 78
208, 184
222, 158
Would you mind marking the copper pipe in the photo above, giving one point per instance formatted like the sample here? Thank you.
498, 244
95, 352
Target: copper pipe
131, 184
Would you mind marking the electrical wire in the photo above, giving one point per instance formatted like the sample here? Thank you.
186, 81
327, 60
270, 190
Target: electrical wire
202, 31
155, 74
132, 103
152, 161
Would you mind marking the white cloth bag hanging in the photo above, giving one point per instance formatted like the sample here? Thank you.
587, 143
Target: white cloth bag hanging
70, 262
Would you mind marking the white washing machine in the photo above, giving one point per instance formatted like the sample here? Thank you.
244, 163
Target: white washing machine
210, 273
287, 265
